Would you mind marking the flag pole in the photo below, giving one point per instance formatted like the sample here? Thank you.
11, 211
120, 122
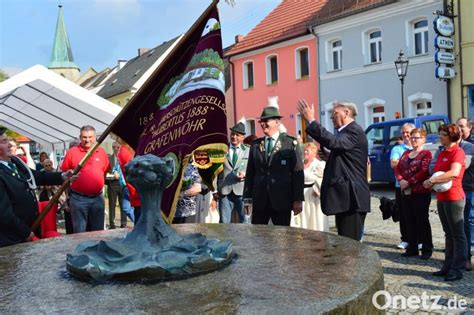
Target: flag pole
109, 128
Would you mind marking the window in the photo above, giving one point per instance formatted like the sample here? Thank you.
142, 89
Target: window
375, 137
302, 63
336, 55
431, 126
423, 108
420, 37
272, 69
375, 46
250, 127
248, 75
378, 114
395, 134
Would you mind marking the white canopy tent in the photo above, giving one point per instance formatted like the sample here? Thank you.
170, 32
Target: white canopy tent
50, 109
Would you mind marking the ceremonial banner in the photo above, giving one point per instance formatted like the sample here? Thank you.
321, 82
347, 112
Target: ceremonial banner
181, 107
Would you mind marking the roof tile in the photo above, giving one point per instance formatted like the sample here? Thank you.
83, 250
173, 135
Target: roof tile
290, 18
293, 17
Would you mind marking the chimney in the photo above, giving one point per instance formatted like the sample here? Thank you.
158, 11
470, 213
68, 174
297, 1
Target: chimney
142, 51
121, 63
239, 38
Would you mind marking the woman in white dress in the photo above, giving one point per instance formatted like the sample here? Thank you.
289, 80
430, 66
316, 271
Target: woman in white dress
312, 217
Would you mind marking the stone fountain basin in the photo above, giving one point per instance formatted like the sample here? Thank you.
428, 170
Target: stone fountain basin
277, 270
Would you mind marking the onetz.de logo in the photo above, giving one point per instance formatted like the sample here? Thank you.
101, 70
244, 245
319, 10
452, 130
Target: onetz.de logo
383, 300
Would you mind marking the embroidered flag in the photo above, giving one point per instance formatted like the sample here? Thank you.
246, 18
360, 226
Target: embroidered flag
181, 108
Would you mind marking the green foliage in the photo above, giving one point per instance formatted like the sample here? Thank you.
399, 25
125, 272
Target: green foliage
164, 99
3, 75
216, 26
208, 56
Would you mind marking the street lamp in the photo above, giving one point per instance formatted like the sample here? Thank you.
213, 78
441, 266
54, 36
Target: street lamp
401, 65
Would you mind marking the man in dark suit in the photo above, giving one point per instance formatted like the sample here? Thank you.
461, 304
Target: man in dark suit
18, 204
344, 190
274, 179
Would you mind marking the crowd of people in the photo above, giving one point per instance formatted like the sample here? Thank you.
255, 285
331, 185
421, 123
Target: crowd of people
275, 178
450, 174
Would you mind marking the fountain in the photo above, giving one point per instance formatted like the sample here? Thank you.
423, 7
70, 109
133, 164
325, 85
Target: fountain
278, 270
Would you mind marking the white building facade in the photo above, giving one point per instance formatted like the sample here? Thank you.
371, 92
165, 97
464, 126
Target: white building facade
356, 62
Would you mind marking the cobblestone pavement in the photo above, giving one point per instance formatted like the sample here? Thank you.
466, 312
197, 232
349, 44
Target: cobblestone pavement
411, 276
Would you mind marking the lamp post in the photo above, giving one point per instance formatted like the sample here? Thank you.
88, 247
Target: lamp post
401, 65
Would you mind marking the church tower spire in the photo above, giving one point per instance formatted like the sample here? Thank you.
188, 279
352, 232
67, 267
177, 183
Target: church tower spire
62, 61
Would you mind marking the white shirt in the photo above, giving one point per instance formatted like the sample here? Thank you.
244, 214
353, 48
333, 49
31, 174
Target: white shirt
5, 163
342, 127
274, 137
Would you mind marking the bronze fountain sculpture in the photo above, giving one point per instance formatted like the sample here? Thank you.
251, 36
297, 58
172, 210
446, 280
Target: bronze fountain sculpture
152, 251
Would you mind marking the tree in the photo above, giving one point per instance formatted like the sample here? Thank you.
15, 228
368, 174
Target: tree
3, 75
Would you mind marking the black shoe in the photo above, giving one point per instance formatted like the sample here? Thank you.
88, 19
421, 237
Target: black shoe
426, 255
453, 276
440, 273
123, 226
112, 227
409, 254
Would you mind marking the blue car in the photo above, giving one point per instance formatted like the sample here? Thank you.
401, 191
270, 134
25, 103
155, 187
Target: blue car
383, 136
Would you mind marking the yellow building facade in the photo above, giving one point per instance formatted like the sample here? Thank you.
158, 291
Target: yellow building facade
462, 86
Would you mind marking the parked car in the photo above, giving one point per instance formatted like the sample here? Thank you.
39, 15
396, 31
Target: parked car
383, 136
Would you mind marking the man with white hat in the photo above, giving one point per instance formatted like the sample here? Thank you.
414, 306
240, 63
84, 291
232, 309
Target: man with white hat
230, 183
274, 180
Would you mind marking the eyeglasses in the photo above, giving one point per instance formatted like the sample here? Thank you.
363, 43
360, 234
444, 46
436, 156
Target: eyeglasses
415, 138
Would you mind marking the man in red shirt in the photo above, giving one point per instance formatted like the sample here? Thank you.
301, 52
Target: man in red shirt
86, 199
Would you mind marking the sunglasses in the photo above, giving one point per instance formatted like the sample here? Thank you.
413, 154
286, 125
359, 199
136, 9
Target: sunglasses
264, 121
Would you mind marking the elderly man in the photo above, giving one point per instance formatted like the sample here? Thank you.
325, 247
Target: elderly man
230, 183
274, 179
395, 155
86, 198
344, 190
465, 125
18, 204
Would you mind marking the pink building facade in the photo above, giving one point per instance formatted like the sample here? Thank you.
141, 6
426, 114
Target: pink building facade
287, 69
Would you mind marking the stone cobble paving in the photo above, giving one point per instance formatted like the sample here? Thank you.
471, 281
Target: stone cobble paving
411, 276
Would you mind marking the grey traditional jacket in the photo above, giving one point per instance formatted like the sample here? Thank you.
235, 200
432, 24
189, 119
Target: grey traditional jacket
227, 181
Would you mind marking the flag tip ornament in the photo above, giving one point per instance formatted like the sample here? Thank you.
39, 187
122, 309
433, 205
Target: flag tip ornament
272, 110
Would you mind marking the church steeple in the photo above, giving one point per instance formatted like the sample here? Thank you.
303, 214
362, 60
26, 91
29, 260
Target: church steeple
62, 60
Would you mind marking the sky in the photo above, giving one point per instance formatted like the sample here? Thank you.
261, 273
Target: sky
104, 31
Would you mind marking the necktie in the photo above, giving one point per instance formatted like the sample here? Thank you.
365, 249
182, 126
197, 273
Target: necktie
269, 146
234, 157
13, 167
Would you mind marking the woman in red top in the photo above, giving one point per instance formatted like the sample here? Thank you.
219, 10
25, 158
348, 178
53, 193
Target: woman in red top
451, 202
411, 171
